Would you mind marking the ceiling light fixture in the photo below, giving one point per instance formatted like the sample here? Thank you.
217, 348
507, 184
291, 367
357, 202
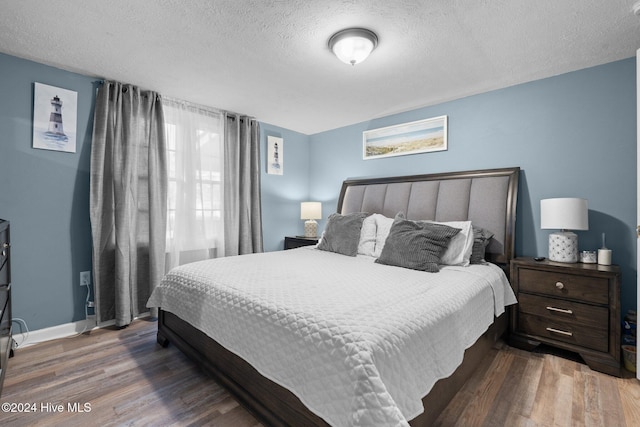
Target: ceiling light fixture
353, 45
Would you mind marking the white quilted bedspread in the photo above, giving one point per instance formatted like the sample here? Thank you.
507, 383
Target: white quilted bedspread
359, 343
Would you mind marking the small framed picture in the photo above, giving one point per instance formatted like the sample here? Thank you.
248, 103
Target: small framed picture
55, 112
275, 155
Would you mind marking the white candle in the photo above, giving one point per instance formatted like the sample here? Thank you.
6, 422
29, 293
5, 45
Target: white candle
604, 256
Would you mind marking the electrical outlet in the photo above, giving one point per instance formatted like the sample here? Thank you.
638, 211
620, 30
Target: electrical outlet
85, 278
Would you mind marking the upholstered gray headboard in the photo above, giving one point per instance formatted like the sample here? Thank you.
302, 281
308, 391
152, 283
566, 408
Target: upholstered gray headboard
485, 197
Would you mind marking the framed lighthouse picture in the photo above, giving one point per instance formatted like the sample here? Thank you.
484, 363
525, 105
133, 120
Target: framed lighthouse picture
55, 112
275, 155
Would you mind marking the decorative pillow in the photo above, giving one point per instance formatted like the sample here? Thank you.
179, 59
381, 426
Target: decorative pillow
481, 238
459, 250
416, 245
342, 233
383, 226
367, 243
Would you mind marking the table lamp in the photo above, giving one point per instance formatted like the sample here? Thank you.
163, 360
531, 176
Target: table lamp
310, 211
564, 214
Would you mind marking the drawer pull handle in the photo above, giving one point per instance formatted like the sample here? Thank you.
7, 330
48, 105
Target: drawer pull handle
559, 285
561, 310
558, 331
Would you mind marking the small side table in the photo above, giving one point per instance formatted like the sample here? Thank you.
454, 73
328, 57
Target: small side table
292, 242
571, 306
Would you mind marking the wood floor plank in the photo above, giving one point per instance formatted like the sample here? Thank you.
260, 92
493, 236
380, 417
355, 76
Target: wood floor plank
476, 411
455, 409
629, 393
128, 379
578, 400
507, 398
611, 401
523, 392
592, 403
562, 417
542, 411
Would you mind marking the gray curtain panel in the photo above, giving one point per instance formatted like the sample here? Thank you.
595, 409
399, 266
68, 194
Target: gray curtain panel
128, 200
242, 206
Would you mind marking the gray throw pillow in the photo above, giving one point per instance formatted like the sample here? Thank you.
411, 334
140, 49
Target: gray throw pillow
416, 245
481, 238
342, 233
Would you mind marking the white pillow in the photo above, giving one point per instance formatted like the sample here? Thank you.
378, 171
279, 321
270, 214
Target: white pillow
383, 225
367, 244
460, 246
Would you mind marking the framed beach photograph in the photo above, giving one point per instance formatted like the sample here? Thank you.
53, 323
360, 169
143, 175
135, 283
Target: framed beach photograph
275, 155
55, 113
422, 136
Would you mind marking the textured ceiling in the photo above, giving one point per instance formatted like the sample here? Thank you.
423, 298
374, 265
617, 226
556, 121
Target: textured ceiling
269, 58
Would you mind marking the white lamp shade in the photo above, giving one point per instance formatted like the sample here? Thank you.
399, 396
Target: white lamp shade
310, 210
564, 214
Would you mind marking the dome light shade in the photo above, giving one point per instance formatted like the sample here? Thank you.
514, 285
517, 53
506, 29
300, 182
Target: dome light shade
353, 45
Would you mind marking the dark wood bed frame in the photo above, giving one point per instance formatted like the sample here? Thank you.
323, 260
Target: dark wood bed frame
277, 406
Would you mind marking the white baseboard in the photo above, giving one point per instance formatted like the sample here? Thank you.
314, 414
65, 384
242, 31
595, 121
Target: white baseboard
25, 339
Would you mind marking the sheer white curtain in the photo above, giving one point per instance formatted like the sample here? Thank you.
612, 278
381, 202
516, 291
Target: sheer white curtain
195, 141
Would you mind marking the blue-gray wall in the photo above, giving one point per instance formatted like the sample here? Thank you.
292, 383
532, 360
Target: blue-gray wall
45, 196
282, 194
572, 135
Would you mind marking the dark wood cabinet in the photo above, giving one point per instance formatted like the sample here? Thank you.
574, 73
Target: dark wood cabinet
298, 241
571, 306
6, 340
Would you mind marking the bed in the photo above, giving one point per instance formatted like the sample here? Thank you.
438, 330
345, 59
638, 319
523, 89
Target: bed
293, 351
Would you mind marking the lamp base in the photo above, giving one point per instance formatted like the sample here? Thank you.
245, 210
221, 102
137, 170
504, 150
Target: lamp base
563, 246
310, 228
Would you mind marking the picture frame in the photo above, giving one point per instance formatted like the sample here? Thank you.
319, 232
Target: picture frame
55, 115
275, 155
421, 136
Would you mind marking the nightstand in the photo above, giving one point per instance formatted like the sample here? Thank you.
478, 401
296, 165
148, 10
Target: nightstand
298, 241
575, 307
6, 339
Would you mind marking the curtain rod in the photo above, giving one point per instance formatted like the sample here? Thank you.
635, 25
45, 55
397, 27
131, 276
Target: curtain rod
230, 114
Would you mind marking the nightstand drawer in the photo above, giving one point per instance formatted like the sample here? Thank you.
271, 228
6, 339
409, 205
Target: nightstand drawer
568, 332
565, 311
5, 343
578, 287
4, 297
4, 257
4, 273
5, 322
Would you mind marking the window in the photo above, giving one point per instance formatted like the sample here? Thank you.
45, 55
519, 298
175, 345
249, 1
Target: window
195, 167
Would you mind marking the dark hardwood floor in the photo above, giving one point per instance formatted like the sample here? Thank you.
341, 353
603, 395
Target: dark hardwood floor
122, 377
